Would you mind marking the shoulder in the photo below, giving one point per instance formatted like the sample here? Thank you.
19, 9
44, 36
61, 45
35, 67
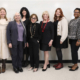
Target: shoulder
38, 24
79, 20
11, 22
64, 18
71, 20
50, 22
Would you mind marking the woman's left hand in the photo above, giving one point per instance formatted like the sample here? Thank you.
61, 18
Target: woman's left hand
50, 43
77, 43
25, 44
60, 42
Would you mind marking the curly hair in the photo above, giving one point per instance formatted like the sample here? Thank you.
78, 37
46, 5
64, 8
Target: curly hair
22, 9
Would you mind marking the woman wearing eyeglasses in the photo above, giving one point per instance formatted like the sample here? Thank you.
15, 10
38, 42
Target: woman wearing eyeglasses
33, 38
74, 38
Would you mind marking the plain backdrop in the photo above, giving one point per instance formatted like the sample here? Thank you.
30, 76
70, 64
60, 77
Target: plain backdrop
38, 6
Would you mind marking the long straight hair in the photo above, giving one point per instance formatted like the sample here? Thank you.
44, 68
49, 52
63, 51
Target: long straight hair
61, 16
5, 11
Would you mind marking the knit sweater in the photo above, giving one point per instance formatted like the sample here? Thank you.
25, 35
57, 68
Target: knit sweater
74, 29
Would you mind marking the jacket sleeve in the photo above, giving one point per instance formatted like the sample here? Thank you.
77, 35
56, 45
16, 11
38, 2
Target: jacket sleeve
64, 29
8, 33
40, 32
52, 30
78, 30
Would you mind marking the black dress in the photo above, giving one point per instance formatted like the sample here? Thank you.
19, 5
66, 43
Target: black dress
47, 35
56, 42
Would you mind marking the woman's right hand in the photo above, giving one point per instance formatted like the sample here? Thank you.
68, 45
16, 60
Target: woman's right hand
10, 45
27, 44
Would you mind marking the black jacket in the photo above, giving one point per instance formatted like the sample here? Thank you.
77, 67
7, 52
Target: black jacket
38, 32
48, 33
12, 33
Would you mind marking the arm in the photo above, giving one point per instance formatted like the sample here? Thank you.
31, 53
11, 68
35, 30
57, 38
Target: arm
8, 32
40, 32
52, 34
64, 30
78, 34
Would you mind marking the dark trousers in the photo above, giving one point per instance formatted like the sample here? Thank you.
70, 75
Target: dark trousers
74, 51
34, 53
59, 54
25, 52
17, 54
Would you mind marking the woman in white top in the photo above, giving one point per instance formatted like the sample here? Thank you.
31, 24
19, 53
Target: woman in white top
4, 51
60, 35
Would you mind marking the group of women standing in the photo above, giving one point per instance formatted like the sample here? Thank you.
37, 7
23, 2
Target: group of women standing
25, 35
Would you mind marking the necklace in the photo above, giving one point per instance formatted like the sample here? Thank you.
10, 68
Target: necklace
43, 28
32, 30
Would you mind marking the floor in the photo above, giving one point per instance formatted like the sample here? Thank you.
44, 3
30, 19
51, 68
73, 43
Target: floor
50, 74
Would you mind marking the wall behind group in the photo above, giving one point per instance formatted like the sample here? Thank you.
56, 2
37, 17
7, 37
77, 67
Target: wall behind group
38, 6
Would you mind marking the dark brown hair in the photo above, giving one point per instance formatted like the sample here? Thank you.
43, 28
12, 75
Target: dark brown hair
60, 17
33, 15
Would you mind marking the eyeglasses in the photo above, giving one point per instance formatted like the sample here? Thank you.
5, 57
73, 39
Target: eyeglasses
33, 18
76, 12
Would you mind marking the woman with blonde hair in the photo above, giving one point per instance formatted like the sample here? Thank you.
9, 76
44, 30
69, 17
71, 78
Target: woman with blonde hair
46, 38
4, 51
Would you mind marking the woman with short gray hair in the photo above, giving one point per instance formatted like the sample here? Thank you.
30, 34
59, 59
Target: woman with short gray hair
16, 38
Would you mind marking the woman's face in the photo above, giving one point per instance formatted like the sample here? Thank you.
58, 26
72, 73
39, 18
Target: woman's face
2, 13
76, 13
45, 16
17, 17
33, 19
58, 13
24, 13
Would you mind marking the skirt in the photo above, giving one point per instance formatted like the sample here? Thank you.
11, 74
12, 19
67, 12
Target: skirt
45, 47
56, 43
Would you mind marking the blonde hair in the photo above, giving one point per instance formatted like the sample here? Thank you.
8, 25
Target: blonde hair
46, 12
5, 11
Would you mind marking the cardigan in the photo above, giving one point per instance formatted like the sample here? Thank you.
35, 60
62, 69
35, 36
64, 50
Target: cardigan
62, 29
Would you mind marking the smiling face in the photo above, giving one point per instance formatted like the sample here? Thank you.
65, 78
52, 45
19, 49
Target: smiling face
2, 13
17, 17
24, 13
58, 13
33, 19
45, 16
76, 13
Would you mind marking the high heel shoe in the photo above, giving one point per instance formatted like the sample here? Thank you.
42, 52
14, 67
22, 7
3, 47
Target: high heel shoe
44, 69
48, 66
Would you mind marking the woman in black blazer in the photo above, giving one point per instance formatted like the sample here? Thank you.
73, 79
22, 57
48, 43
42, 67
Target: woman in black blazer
33, 38
25, 19
16, 39
46, 38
